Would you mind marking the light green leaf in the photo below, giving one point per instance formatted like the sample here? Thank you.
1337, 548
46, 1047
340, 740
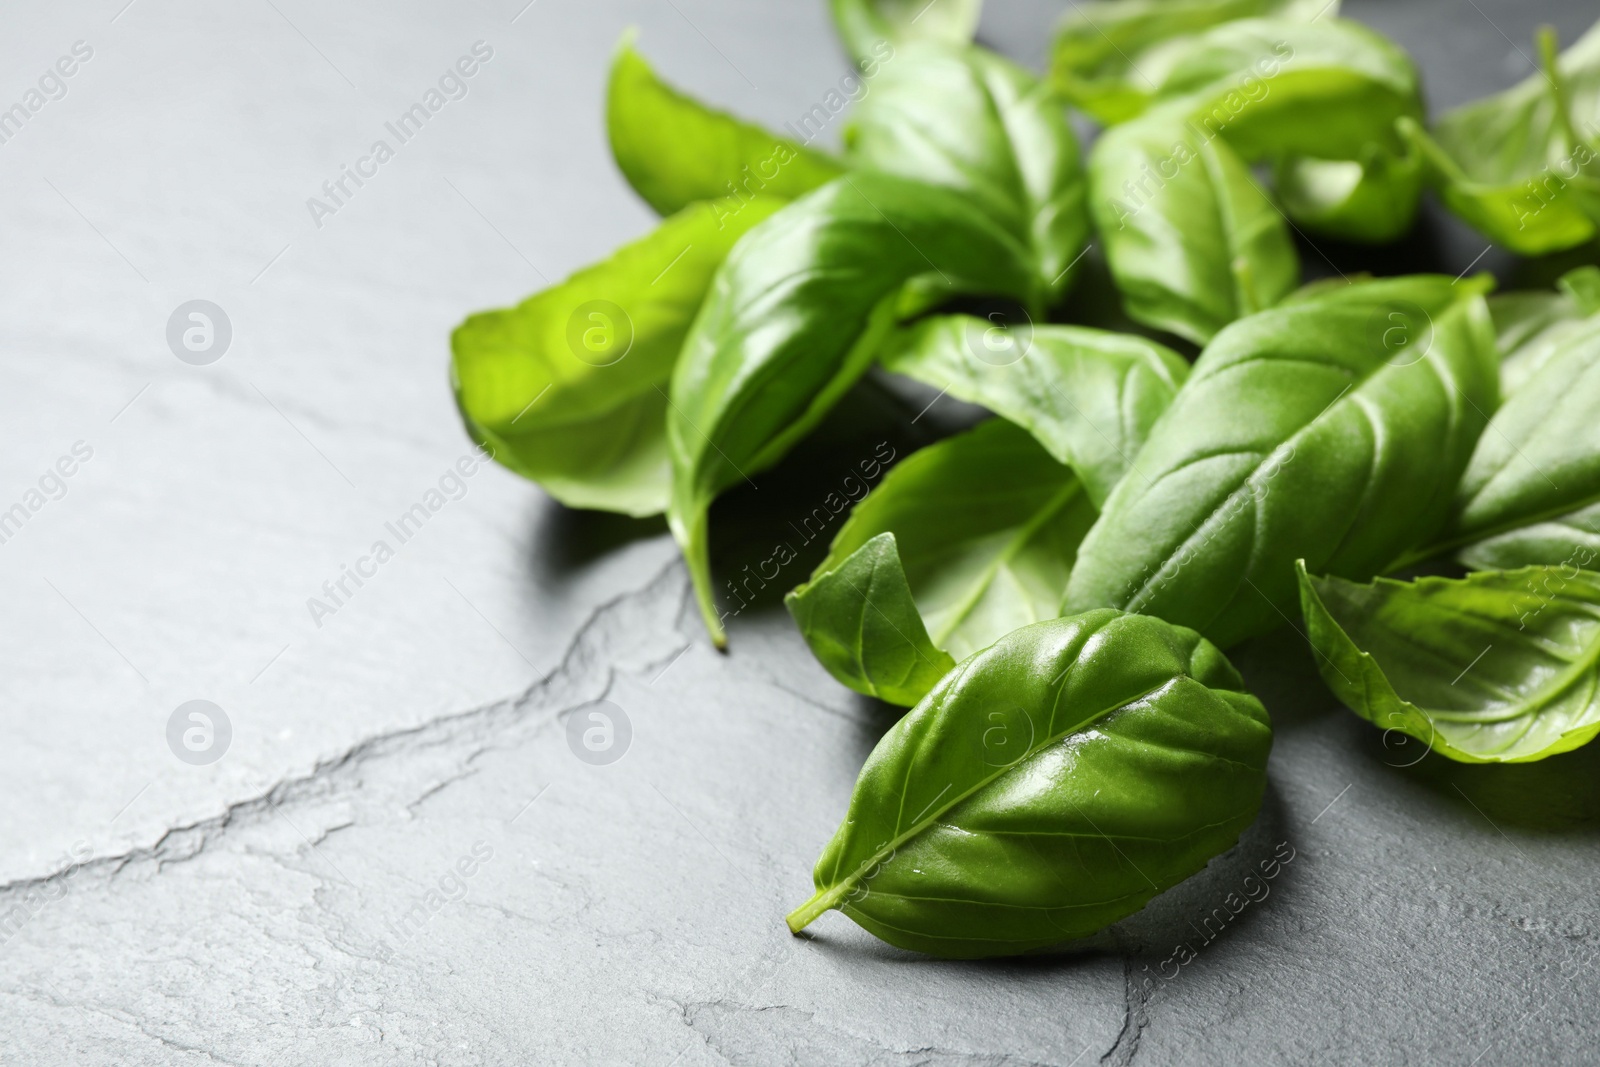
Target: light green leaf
568, 388
797, 314
1089, 396
676, 151
1373, 199
1193, 242
1328, 429
968, 539
1531, 326
1498, 667
1047, 787
1109, 53
873, 30
970, 120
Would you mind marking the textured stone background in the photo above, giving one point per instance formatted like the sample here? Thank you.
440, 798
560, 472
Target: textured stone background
245, 911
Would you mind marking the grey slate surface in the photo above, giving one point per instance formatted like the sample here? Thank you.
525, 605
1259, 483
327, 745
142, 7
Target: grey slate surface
254, 910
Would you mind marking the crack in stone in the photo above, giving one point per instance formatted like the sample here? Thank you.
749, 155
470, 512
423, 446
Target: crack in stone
1135, 1018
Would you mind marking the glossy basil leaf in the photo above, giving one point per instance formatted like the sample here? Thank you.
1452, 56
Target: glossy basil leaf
1571, 540
1540, 457
1531, 326
963, 542
1505, 164
1089, 396
1497, 667
861, 621
568, 387
1192, 241
1275, 88
676, 151
1107, 52
1373, 199
1047, 787
797, 314
970, 120
1330, 429
872, 30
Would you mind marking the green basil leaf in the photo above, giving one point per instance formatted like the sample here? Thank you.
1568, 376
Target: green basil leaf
1531, 326
861, 621
1107, 51
970, 120
963, 542
567, 388
1089, 396
1497, 667
1277, 87
873, 29
676, 151
1539, 459
1505, 164
1192, 241
797, 314
1571, 540
1372, 200
1329, 429
1047, 787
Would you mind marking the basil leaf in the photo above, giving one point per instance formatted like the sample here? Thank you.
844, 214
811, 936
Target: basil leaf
1047, 787
1505, 164
1373, 199
796, 315
861, 621
970, 120
1107, 50
1192, 241
963, 542
1320, 430
566, 388
676, 151
1571, 540
1539, 459
1530, 327
1275, 87
1498, 667
1089, 396
874, 29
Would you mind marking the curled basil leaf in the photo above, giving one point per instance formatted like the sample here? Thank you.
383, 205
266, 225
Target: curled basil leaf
676, 151
1507, 164
970, 120
1107, 52
963, 542
797, 314
1089, 396
1047, 787
873, 29
1497, 667
1328, 429
567, 388
1373, 199
1539, 459
1192, 241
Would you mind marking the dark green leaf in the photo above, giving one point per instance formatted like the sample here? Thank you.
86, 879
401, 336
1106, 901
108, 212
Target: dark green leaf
963, 542
675, 151
1329, 429
1540, 458
568, 387
1193, 242
1047, 787
1498, 667
797, 314
1567, 540
1108, 51
872, 30
970, 120
1089, 396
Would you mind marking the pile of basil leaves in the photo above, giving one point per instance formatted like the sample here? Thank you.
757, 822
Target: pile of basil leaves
1049, 592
